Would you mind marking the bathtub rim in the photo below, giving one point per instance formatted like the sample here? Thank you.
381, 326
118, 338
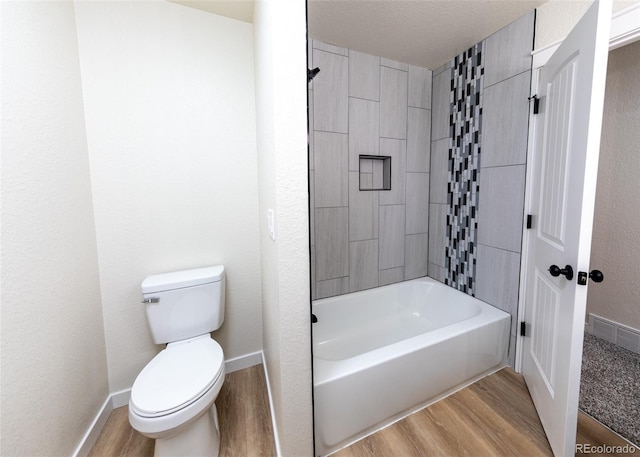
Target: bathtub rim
327, 370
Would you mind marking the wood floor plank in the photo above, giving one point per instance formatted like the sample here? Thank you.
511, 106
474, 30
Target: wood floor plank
118, 439
491, 429
259, 427
243, 412
494, 417
592, 434
509, 409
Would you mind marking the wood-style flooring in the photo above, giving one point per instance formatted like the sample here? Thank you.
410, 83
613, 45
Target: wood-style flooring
492, 417
243, 412
593, 434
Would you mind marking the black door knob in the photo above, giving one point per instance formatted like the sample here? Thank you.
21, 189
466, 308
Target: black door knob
596, 276
556, 271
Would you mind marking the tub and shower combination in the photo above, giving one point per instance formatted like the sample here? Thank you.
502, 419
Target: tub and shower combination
381, 354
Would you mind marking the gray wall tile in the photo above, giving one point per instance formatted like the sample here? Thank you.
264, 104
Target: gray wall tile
393, 103
364, 76
511, 356
331, 156
419, 87
331, 92
317, 44
312, 205
366, 181
363, 211
332, 245
508, 51
418, 139
501, 206
444, 67
348, 233
437, 226
436, 272
313, 272
390, 276
441, 106
364, 130
397, 150
377, 170
391, 233
498, 279
505, 122
417, 208
332, 287
310, 131
366, 165
363, 265
416, 255
439, 171
394, 64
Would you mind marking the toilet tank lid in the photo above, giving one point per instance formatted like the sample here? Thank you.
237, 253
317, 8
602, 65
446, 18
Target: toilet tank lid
180, 279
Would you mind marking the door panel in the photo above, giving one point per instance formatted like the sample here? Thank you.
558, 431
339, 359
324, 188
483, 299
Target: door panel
556, 154
565, 159
544, 329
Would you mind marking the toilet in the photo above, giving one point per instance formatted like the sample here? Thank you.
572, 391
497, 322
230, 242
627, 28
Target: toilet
173, 397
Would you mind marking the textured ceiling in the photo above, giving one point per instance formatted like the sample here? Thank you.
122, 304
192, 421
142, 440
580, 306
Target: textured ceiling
420, 32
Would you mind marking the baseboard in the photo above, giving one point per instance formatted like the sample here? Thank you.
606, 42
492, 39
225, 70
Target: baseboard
242, 362
121, 398
273, 416
614, 332
91, 436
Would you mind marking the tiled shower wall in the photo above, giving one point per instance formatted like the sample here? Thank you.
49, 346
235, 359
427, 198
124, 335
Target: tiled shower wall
481, 254
366, 105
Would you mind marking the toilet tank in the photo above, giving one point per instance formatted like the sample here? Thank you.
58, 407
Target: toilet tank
184, 304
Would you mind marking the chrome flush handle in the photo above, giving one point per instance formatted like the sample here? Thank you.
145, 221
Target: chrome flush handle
151, 300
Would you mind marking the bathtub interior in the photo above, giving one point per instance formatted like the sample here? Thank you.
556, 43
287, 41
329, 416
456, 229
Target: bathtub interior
353, 324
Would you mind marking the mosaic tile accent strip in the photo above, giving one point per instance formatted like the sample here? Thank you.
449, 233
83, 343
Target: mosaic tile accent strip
465, 129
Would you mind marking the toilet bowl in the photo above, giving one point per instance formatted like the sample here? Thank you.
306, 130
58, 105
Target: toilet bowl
172, 399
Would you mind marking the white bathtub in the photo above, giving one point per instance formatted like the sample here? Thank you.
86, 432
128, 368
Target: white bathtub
383, 353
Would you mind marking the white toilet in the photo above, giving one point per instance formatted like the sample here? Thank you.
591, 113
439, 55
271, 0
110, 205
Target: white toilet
172, 399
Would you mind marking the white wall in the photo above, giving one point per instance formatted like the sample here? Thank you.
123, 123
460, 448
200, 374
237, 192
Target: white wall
556, 18
281, 99
170, 110
616, 226
54, 370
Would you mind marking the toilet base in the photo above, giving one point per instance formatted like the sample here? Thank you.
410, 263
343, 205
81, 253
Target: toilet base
200, 438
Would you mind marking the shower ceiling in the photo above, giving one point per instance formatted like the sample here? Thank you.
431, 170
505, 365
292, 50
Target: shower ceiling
426, 33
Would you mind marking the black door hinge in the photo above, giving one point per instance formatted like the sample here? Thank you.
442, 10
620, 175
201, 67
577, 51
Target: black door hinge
529, 221
523, 329
536, 104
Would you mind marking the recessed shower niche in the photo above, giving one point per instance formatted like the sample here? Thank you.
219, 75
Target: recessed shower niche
375, 172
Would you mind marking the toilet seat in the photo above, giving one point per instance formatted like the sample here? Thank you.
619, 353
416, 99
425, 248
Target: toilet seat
177, 377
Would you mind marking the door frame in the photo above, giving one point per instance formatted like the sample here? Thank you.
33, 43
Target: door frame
625, 29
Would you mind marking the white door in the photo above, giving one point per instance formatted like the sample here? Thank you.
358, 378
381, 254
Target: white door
563, 183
